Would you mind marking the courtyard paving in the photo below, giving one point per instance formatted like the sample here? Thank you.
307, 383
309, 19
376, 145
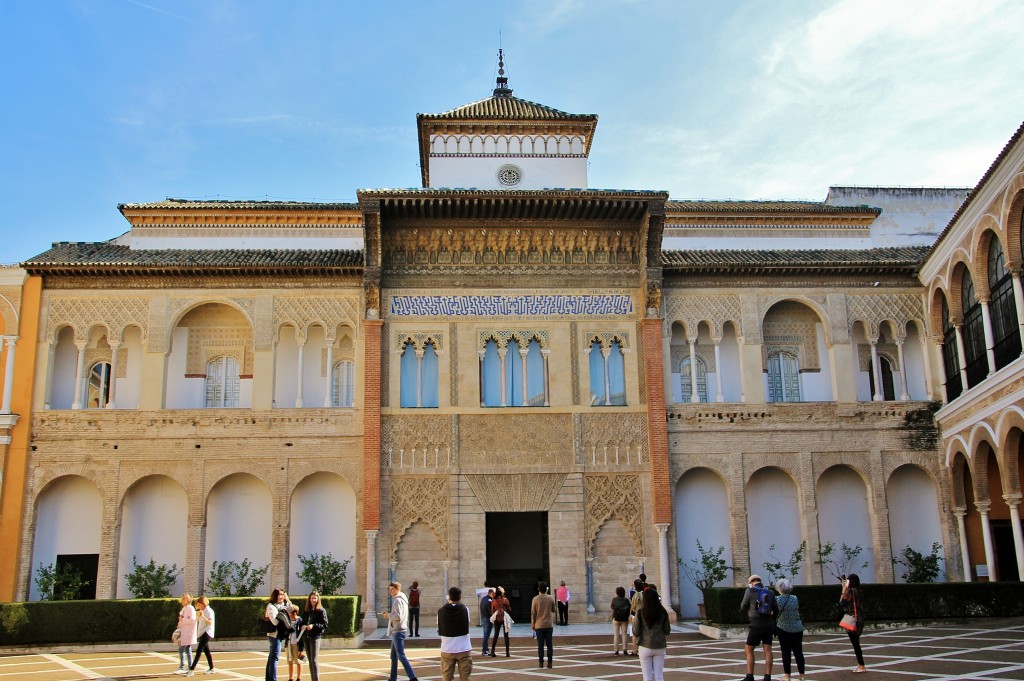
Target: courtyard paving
979, 650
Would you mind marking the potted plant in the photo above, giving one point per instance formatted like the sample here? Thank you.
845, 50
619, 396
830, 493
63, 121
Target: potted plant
707, 570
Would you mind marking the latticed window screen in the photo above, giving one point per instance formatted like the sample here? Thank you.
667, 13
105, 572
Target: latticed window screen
222, 385
686, 380
783, 378
973, 333
343, 384
950, 356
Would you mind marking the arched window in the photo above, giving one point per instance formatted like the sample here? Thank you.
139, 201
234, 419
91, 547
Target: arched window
950, 356
973, 333
419, 376
686, 380
783, 377
607, 375
428, 377
99, 386
222, 382
1005, 330
888, 390
517, 379
343, 383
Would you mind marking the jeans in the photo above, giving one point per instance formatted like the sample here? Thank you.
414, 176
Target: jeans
398, 653
272, 658
652, 663
203, 647
312, 652
183, 652
544, 640
488, 627
451, 661
414, 621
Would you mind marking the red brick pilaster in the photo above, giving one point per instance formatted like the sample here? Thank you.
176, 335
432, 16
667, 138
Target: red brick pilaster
657, 425
371, 423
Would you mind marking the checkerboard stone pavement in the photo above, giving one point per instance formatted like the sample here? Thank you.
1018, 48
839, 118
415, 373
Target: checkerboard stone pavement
978, 650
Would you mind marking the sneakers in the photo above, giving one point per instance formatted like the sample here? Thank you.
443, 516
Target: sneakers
180, 671
211, 670
190, 673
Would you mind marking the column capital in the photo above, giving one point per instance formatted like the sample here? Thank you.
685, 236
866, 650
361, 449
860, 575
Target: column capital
1013, 499
10, 340
960, 511
371, 535
983, 506
662, 528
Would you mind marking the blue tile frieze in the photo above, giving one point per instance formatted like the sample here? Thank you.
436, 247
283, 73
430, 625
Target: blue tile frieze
531, 305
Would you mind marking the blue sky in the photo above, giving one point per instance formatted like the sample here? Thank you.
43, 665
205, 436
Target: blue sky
119, 101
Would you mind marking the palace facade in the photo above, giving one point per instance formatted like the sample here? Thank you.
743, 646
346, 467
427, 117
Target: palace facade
496, 378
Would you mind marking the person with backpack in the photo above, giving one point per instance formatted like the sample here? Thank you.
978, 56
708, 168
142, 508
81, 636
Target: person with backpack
414, 609
620, 619
759, 604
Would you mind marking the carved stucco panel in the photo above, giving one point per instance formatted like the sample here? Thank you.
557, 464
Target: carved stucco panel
327, 311
515, 440
624, 435
614, 496
419, 499
713, 309
872, 309
516, 492
84, 312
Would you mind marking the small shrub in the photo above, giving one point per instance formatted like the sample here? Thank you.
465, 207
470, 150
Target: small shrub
59, 582
777, 570
229, 578
843, 563
152, 580
708, 569
323, 573
921, 569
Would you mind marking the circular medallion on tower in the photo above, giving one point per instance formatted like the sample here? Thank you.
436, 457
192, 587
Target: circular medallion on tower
510, 175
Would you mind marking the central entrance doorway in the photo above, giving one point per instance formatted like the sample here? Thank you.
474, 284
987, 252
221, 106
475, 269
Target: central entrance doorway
517, 557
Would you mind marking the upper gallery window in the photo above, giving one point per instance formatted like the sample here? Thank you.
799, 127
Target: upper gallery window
343, 384
607, 374
783, 377
419, 376
513, 373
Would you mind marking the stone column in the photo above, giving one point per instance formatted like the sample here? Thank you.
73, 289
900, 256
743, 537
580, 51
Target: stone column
719, 395
328, 386
1018, 299
986, 534
962, 356
79, 375
590, 585
876, 369
663, 563
941, 364
447, 565
9, 342
1013, 501
544, 353
370, 615
112, 382
480, 355
990, 343
904, 392
523, 352
694, 392
965, 556
502, 353
419, 376
300, 371
45, 373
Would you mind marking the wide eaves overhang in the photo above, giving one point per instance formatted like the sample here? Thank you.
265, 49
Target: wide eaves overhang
904, 260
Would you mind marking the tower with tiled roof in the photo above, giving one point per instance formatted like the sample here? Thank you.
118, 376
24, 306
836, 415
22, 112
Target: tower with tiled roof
504, 142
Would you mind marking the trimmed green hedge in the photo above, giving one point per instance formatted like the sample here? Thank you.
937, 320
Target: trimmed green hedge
122, 621
887, 602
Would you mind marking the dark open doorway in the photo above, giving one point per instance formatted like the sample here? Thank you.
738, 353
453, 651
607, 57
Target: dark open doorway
517, 556
87, 565
1006, 555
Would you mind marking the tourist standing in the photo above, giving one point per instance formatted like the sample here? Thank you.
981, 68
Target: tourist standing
789, 627
620, 619
635, 601
485, 616
187, 631
293, 645
414, 609
652, 628
761, 626
541, 608
398, 625
563, 596
204, 629
315, 619
272, 613
499, 609
453, 627
851, 603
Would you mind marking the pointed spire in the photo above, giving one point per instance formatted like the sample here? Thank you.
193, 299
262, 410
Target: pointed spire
502, 90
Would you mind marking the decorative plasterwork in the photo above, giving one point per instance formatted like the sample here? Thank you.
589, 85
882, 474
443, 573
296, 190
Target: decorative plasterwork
409, 439
606, 338
705, 354
344, 349
789, 327
899, 309
503, 337
614, 439
887, 350
419, 341
614, 496
330, 312
419, 499
515, 439
510, 305
82, 313
714, 310
516, 492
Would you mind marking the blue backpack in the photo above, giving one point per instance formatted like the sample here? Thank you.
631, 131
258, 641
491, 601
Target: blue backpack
765, 604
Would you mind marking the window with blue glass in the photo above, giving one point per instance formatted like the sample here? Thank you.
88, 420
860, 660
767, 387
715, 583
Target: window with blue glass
607, 374
513, 373
419, 376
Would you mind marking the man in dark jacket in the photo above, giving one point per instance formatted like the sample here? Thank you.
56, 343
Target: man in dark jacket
762, 626
456, 648
485, 617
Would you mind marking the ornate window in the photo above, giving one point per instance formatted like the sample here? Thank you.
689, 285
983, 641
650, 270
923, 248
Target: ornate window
513, 375
783, 377
888, 388
419, 376
686, 380
973, 333
607, 374
222, 387
99, 386
343, 383
950, 356
1005, 330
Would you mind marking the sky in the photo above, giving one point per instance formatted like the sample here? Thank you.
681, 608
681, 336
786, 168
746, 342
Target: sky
131, 101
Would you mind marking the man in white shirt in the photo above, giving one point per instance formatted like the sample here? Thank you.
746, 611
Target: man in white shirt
456, 648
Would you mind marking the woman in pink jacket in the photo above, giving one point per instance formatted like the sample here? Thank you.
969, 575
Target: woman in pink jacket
187, 631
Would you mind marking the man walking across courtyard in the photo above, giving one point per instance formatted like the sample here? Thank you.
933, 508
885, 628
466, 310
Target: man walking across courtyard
398, 624
456, 648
